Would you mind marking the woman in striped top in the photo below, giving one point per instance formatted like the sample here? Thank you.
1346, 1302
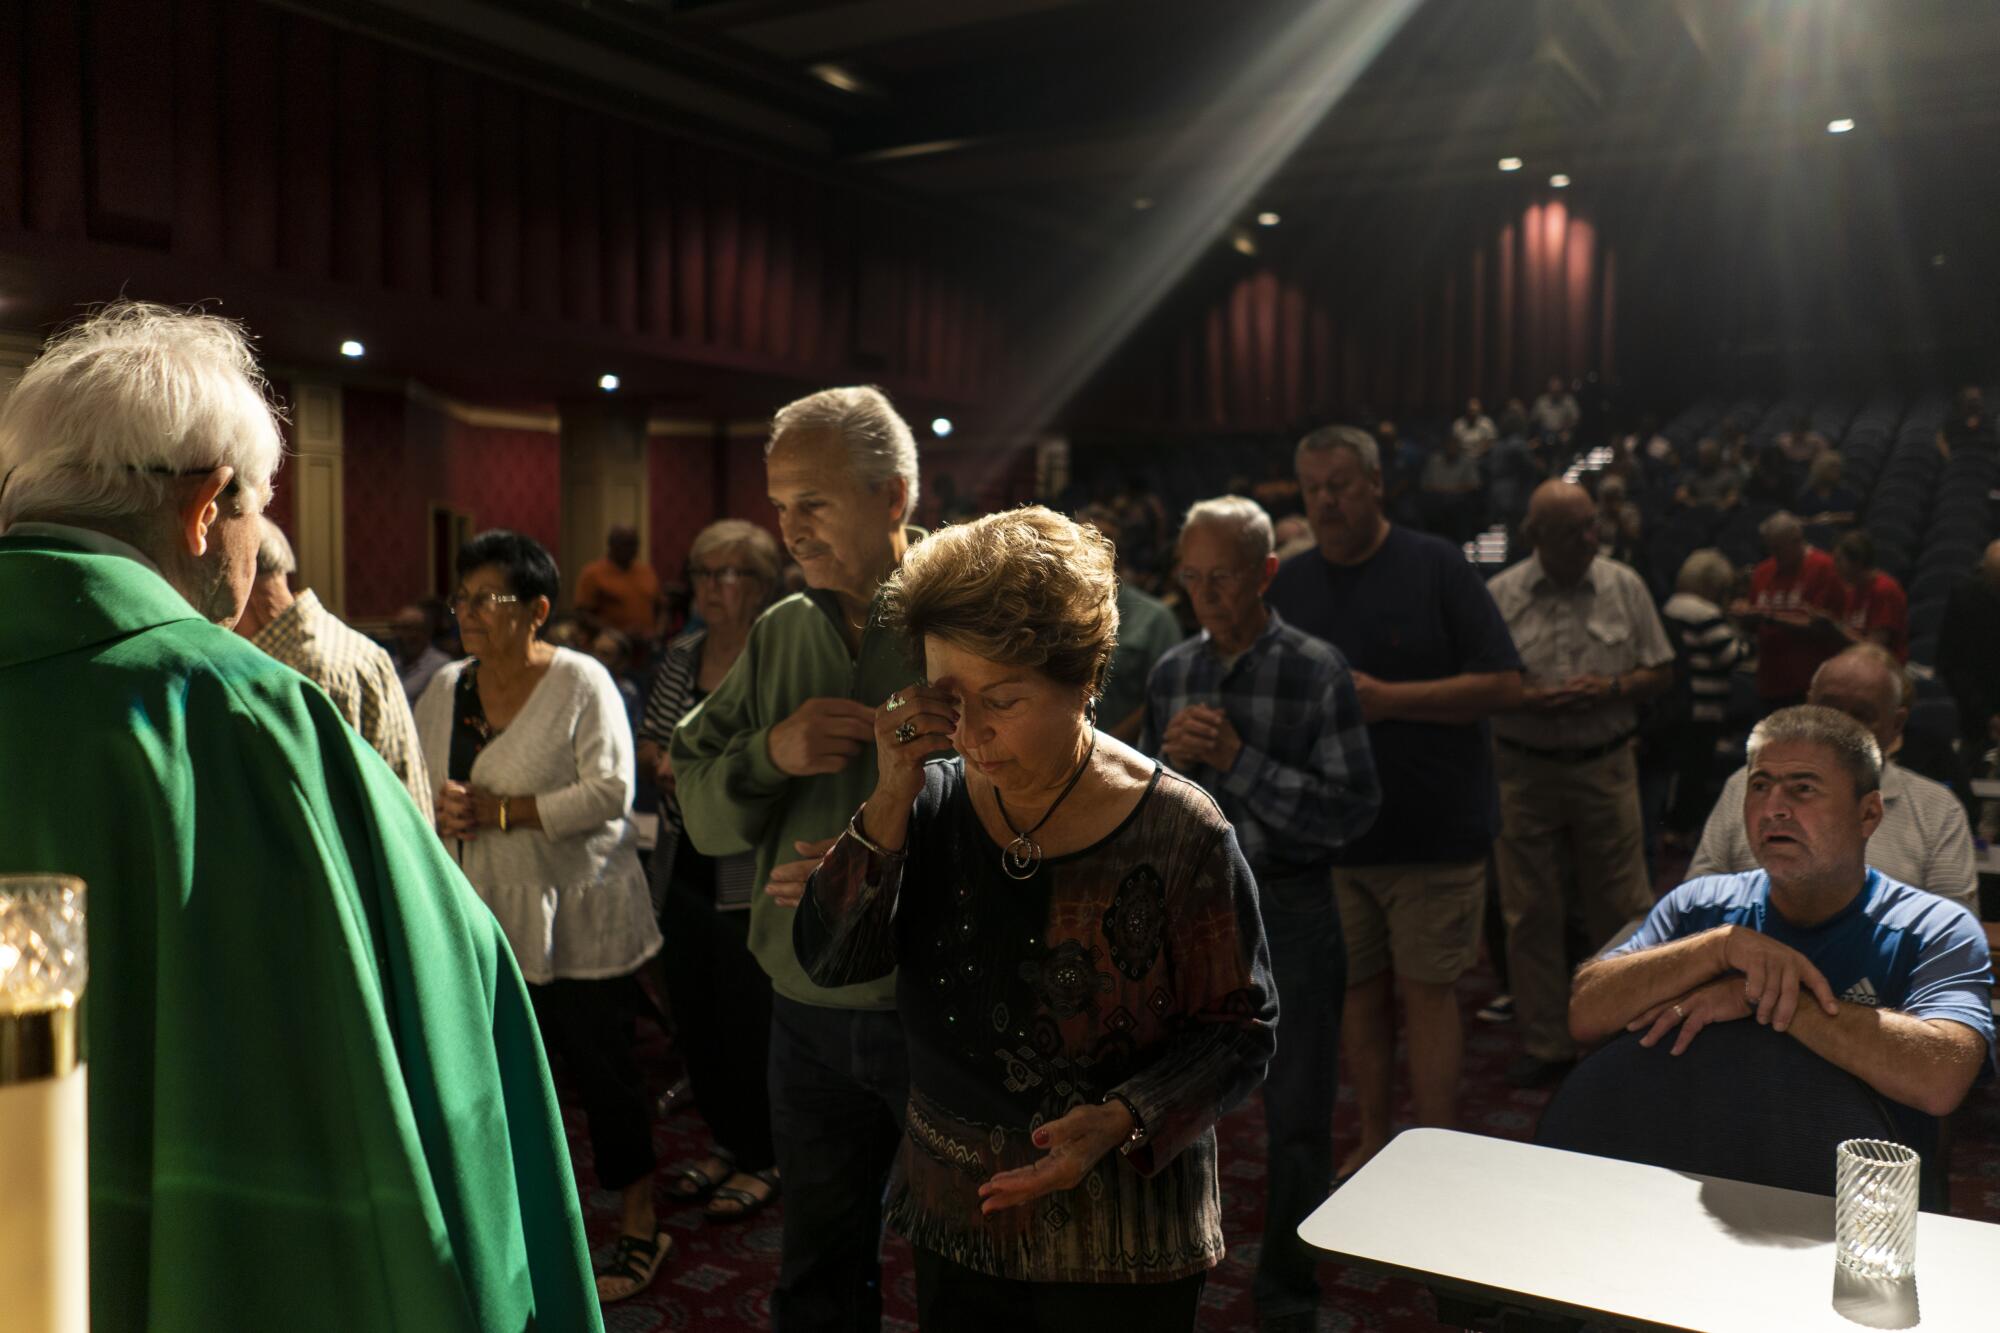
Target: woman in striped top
1707, 649
721, 998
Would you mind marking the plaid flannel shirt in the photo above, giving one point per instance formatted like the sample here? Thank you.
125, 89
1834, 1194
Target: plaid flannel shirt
1304, 783
359, 676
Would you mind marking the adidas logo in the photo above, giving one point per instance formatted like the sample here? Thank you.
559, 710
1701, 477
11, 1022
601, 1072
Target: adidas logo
1863, 992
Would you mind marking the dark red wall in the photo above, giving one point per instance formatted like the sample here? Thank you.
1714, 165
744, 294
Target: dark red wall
505, 477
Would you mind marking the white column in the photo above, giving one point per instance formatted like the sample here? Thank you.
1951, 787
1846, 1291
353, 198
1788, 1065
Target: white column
318, 480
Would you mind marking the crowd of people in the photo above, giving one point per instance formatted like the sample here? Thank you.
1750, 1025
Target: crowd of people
987, 879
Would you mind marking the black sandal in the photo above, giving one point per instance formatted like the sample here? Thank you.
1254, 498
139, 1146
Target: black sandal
747, 1204
699, 1184
635, 1261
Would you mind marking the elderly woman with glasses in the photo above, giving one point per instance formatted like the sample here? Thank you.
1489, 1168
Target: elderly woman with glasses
534, 742
721, 998
1084, 983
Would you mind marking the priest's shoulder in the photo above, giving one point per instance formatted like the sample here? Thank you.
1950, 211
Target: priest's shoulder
222, 673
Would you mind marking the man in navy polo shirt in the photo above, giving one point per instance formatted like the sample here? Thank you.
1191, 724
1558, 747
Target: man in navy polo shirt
1889, 982
1432, 660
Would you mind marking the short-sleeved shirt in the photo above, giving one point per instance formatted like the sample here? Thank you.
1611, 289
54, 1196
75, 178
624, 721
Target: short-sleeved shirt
1787, 657
624, 599
1880, 603
1445, 473
1603, 626
1415, 610
1893, 947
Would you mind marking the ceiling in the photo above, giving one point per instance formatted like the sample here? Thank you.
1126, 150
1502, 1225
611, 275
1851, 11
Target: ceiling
1058, 114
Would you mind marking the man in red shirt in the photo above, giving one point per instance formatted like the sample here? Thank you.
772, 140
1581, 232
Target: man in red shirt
1793, 595
1878, 611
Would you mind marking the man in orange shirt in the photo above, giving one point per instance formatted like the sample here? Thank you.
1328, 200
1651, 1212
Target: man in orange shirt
1792, 595
620, 591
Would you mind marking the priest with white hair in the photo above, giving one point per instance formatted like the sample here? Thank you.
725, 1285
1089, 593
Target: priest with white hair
317, 1098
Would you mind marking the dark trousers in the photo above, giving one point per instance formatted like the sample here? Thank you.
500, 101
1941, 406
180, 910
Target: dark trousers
1309, 965
1692, 749
722, 1022
952, 1298
840, 1085
589, 1026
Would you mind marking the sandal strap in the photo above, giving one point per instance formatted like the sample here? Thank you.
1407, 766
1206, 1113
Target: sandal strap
634, 1257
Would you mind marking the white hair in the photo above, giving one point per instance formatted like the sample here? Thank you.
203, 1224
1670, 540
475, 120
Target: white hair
1357, 442
1781, 525
1245, 520
274, 550
1810, 724
120, 402
877, 438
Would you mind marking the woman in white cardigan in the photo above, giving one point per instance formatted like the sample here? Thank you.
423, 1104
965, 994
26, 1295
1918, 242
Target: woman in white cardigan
537, 754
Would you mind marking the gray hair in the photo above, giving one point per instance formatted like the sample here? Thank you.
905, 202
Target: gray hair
877, 438
121, 401
274, 552
730, 534
1245, 519
1707, 573
1882, 658
1784, 523
1810, 724
1357, 442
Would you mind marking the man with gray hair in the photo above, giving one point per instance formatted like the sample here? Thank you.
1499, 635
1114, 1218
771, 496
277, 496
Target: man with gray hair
774, 762
354, 670
1265, 718
1924, 840
1431, 660
308, 1037
1791, 592
1888, 982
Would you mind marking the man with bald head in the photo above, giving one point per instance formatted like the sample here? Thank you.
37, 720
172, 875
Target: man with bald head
1571, 838
1923, 841
1791, 594
1968, 651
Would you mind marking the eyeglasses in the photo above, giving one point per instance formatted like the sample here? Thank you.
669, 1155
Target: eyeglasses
479, 602
726, 577
1222, 580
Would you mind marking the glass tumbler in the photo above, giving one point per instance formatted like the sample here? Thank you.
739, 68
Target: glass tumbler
1875, 1208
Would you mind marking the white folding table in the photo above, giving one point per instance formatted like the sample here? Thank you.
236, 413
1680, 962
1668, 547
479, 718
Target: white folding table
1607, 1240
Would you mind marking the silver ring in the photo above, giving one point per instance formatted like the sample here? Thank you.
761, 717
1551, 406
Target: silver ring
906, 733
1680, 1011
895, 701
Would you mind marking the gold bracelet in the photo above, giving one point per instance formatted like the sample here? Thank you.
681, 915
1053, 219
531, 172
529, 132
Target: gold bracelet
854, 827
503, 814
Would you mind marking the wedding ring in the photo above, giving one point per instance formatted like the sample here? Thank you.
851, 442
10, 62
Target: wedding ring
906, 733
1680, 1012
895, 701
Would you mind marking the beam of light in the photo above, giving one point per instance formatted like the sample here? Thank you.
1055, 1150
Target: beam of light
1274, 92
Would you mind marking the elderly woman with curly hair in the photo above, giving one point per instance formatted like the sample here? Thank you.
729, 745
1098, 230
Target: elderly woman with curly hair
1083, 979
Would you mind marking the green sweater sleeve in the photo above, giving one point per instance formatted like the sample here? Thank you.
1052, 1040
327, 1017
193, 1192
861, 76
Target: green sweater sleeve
724, 779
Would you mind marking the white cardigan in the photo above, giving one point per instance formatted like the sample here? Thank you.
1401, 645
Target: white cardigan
571, 895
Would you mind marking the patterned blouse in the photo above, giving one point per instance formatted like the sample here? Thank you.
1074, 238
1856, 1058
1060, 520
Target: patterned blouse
1136, 966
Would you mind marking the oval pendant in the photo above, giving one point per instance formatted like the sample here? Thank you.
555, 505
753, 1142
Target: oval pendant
1022, 858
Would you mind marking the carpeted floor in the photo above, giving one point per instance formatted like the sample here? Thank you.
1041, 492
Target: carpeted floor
720, 1275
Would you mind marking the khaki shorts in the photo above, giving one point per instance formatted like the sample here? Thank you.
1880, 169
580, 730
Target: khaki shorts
1425, 919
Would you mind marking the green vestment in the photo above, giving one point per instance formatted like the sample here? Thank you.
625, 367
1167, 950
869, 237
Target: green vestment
317, 1095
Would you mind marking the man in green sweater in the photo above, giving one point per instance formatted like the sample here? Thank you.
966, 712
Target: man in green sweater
317, 1096
775, 762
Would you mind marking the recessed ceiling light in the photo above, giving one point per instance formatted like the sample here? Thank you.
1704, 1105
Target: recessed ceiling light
1143, 202
608, 383
839, 76
1840, 126
1242, 243
941, 426
1559, 181
1510, 164
351, 348
1267, 219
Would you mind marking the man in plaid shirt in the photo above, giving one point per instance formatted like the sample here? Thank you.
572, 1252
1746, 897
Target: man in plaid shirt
1266, 719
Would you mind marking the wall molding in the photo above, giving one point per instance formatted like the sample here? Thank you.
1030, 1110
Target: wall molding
471, 414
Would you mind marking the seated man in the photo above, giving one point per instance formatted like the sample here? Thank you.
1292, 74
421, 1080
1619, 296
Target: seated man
1891, 984
1924, 840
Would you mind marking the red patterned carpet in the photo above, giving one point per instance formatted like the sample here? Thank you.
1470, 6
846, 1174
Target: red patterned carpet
720, 1275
